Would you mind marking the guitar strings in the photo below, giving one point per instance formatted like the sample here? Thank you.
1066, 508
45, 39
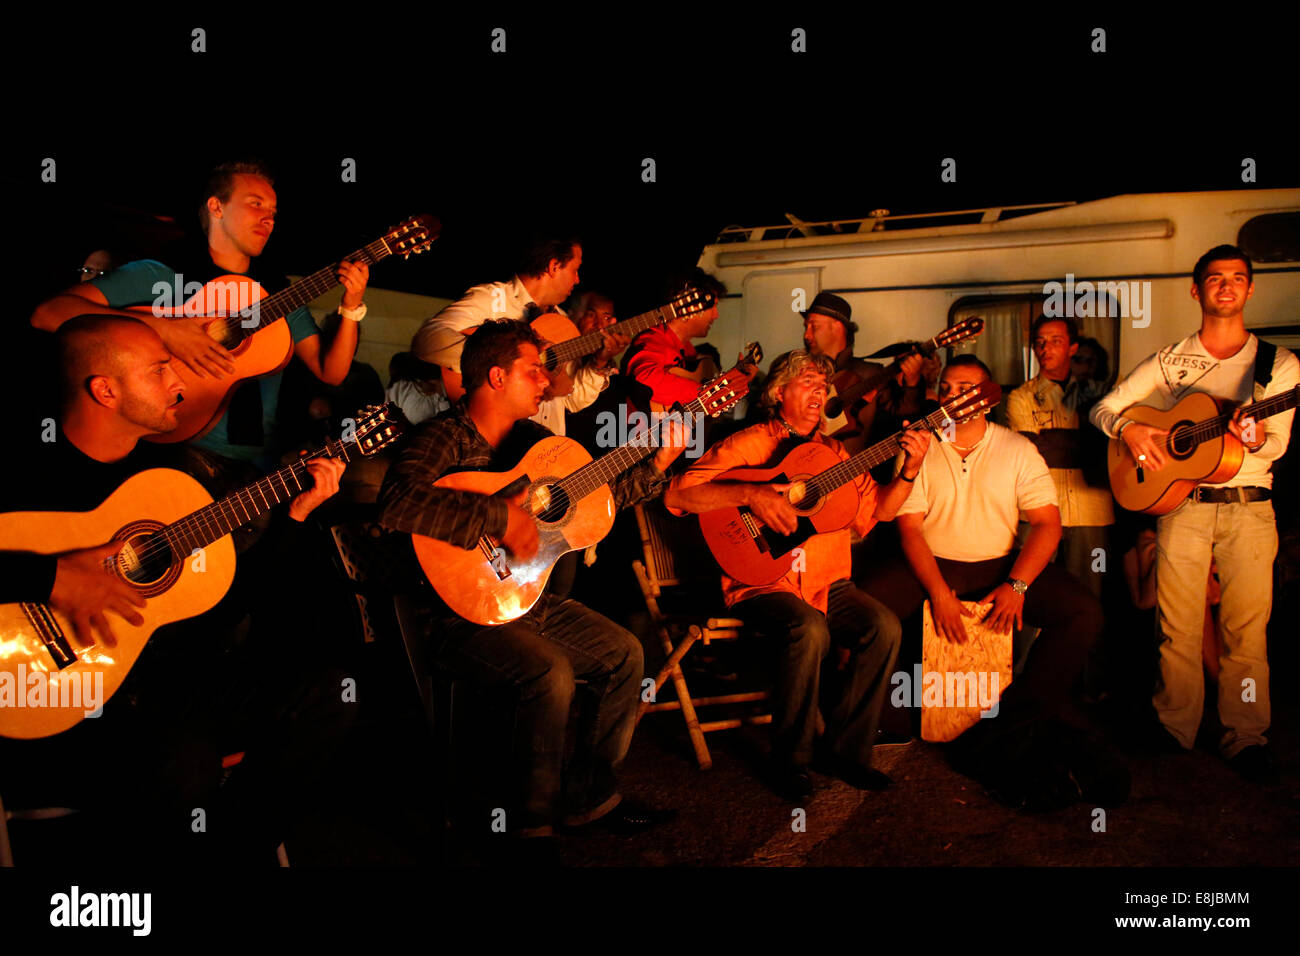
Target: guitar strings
196, 524
317, 284
568, 350
594, 474
1216, 426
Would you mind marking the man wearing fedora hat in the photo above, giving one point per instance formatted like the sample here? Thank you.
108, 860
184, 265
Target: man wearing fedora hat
829, 330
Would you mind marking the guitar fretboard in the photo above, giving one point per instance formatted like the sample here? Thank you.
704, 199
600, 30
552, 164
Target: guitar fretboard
211, 523
279, 304
830, 479
639, 445
1214, 427
583, 345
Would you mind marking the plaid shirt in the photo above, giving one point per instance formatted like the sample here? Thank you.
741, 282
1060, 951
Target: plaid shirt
408, 500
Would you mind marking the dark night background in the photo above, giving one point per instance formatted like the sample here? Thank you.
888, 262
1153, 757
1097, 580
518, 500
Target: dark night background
552, 133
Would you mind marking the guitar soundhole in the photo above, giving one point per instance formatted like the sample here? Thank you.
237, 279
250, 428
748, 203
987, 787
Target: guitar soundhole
147, 561
557, 507
225, 331
809, 498
1181, 443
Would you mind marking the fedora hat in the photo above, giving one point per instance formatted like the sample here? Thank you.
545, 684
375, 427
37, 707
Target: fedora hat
829, 304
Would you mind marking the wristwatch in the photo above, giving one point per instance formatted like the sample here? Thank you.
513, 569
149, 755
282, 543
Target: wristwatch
353, 315
1017, 585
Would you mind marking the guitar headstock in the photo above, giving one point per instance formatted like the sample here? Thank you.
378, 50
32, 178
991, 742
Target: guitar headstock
413, 236
723, 392
378, 426
963, 330
691, 301
975, 400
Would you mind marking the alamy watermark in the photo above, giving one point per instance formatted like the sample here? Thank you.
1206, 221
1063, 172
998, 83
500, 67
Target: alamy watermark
636, 429
947, 689
75, 908
1103, 300
216, 298
40, 688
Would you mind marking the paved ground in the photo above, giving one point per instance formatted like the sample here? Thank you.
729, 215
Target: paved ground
1186, 810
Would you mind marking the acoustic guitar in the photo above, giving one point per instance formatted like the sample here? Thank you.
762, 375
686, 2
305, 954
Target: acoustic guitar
178, 555
1199, 450
848, 390
248, 322
567, 344
821, 491
567, 494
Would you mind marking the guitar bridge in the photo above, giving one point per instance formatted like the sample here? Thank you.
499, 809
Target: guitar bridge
52, 636
755, 532
496, 556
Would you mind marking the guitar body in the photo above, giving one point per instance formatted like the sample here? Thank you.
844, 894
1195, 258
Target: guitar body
480, 590
553, 328
753, 553
1160, 492
176, 589
267, 350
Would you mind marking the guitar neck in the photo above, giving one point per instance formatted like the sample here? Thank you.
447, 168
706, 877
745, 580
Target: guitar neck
609, 466
218, 519
880, 377
583, 345
1214, 427
869, 458
281, 303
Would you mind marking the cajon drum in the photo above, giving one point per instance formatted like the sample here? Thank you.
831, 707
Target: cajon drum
968, 675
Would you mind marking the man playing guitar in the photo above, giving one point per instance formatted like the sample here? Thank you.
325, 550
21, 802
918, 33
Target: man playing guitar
238, 215
559, 641
119, 384
814, 604
829, 330
548, 272
661, 364
1231, 523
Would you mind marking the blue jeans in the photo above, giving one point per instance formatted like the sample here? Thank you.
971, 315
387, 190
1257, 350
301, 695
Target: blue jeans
801, 636
543, 655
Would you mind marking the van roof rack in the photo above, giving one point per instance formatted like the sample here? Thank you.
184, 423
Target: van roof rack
876, 222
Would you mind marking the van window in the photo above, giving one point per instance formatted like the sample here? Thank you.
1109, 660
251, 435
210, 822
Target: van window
1274, 237
1004, 346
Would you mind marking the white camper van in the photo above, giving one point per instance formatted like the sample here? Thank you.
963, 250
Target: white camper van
1120, 265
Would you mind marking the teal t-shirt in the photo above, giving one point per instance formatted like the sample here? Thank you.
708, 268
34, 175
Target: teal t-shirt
133, 284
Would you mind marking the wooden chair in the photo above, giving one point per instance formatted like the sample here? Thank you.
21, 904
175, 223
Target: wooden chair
664, 542
371, 559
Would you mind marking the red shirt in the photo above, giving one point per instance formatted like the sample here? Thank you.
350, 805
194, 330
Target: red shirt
650, 357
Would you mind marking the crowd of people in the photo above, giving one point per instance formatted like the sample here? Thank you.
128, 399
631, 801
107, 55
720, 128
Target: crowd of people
1010, 516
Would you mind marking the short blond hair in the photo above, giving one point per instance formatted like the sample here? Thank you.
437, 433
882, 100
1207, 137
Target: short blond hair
785, 370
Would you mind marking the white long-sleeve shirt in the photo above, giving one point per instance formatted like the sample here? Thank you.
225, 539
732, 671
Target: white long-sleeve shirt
1163, 379
501, 300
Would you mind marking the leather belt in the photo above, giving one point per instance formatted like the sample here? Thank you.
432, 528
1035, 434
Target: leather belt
1232, 495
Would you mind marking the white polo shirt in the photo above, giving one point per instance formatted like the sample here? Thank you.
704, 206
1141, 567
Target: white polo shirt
972, 505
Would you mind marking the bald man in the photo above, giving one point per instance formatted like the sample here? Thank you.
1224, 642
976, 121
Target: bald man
118, 383
156, 753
